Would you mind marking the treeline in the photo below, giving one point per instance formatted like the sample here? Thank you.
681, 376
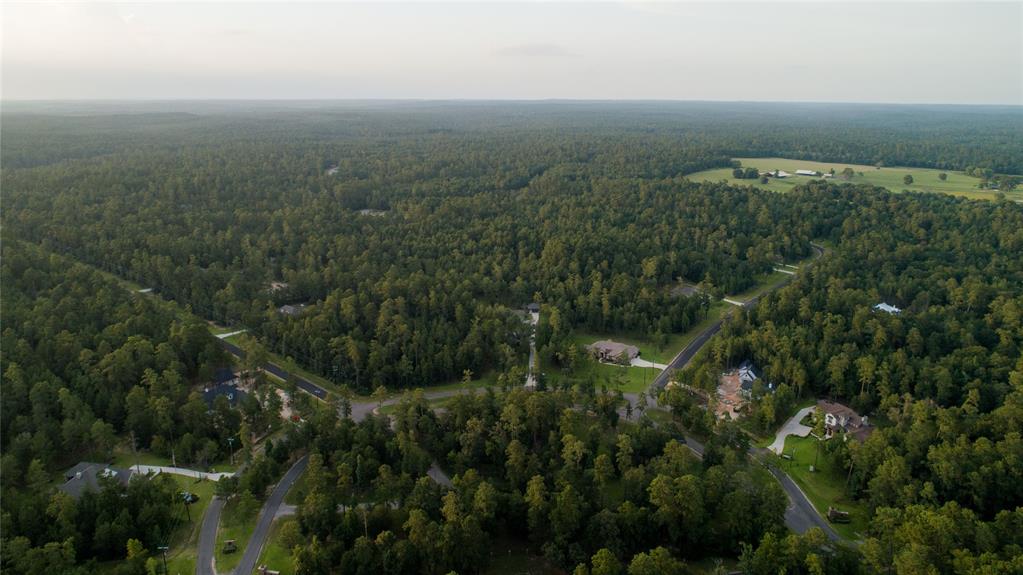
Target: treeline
943, 137
943, 378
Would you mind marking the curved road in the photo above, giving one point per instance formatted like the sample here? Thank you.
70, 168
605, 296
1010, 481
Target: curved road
800, 515
271, 509
266, 517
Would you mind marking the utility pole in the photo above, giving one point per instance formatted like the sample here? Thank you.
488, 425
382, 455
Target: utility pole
164, 548
136, 452
185, 497
230, 441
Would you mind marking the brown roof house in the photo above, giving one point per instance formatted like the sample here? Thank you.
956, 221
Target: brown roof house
838, 417
613, 352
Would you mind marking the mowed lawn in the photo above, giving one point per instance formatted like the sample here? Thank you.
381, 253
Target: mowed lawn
632, 379
647, 349
765, 282
276, 556
825, 487
924, 179
185, 540
237, 524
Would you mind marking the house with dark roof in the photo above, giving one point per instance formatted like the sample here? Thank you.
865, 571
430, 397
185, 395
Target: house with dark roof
88, 476
292, 310
224, 375
746, 377
229, 390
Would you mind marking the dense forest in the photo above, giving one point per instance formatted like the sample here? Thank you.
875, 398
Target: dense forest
527, 465
412, 234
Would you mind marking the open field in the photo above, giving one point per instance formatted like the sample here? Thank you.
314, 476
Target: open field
614, 377
825, 487
924, 179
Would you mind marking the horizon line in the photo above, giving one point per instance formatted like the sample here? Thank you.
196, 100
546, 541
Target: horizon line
497, 100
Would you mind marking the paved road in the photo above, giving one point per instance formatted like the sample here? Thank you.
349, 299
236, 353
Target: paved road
684, 356
266, 517
208, 538
300, 382
689, 351
800, 514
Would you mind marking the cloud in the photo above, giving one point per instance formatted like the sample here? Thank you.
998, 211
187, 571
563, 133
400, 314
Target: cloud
540, 50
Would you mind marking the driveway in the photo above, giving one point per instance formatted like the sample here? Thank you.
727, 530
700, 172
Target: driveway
791, 427
144, 469
640, 362
437, 474
208, 538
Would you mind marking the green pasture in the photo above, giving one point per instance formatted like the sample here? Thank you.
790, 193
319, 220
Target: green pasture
924, 179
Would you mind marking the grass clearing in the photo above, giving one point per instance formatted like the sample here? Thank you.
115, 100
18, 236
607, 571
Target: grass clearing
614, 377
824, 487
238, 524
647, 349
125, 458
478, 383
275, 555
634, 379
764, 283
924, 179
184, 541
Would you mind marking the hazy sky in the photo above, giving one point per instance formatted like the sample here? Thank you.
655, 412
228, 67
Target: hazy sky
836, 51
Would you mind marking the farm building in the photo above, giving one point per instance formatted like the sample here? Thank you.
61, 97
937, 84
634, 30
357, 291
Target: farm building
612, 351
806, 173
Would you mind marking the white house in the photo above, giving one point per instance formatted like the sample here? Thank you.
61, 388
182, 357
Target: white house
883, 306
806, 173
